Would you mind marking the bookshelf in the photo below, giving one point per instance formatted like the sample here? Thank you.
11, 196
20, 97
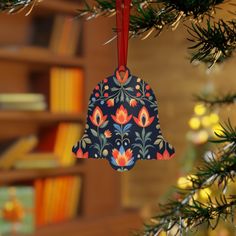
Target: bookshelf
100, 210
17, 176
37, 55
40, 117
116, 224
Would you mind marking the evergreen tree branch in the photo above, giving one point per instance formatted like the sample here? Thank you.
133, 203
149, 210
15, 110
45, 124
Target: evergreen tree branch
185, 213
14, 6
213, 43
181, 218
227, 99
153, 15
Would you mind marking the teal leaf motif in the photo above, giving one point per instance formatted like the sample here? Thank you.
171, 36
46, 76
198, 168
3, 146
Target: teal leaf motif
116, 81
94, 132
104, 124
128, 80
129, 89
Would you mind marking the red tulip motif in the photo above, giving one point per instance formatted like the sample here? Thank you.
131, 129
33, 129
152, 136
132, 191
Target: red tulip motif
121, 117
97, 117
143, 119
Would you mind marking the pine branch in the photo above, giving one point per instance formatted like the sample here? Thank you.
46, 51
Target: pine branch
227, 134
214, 43
153, 15
186, 213
227, 99
14, 6
181, 218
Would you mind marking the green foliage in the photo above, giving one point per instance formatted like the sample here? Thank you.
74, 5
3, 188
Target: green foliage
185, 213
14, 5
214, 42
227, 99
193, 8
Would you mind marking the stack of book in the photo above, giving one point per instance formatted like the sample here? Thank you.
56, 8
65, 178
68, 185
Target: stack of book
66, 35
60, 140
57, 199
22, 101
66, 90
52, 149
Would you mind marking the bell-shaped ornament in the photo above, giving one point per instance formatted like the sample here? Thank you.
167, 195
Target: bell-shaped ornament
123, 124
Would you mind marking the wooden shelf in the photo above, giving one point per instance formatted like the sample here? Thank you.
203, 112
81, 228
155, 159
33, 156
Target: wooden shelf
60, 6
14, 176
38, 55
116, 225
39, 117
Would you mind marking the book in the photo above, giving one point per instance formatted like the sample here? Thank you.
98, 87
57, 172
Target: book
58, 140
66, 35
74, 197
24, 106
17, 206
37, 161
66, 90
21, 97
39, 202
57, 199
20, 147
22, 101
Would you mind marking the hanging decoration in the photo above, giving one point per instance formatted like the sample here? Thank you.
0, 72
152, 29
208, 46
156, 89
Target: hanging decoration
122, 121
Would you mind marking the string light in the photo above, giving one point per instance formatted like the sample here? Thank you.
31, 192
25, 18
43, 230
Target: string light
199, 109
206, 122
205, 193
214, 118
194, 123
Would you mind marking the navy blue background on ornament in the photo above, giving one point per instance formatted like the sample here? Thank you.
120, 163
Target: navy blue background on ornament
123, 124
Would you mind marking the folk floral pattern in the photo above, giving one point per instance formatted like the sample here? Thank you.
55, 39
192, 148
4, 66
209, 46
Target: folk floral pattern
123, 124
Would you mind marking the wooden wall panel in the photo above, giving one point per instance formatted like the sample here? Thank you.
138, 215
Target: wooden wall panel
163, 63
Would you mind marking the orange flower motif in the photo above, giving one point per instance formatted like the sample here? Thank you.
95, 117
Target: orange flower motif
121, 116
133, 102
98, 118
144, 118
80, 154
122, 157
107, 133
110, 102
165, 156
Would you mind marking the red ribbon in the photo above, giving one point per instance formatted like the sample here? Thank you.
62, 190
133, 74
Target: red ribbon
122, 25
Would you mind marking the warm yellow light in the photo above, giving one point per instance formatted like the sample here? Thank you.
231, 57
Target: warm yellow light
214, 118
194, 123
217, 129
200, 109
162, 233
194, 198
206, 121
205, 193
202, 136
184, 182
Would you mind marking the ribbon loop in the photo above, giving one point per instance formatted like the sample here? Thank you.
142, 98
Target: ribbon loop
122, 25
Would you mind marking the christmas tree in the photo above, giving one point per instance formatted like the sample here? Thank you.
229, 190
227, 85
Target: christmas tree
212, 40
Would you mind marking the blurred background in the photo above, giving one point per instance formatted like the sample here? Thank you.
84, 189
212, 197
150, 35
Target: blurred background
50, 61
